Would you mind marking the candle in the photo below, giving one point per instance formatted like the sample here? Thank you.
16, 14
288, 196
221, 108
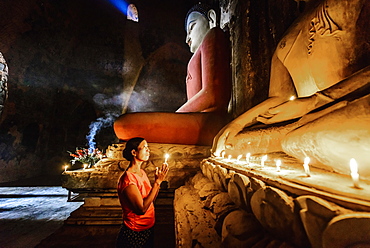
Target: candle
223, 154
65, 167
247, 157
306, 166
166, 156
229, 157
354, 173
85, 166
264, 158
239, 157
278, 164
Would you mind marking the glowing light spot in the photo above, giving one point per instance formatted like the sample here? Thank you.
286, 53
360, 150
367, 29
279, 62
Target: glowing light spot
292, 98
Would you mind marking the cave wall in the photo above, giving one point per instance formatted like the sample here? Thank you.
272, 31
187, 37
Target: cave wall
69, 64
255, 27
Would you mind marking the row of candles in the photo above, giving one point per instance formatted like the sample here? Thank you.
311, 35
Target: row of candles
353, 166
166, 157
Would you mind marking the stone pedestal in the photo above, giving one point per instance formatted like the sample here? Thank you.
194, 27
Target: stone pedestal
97, 186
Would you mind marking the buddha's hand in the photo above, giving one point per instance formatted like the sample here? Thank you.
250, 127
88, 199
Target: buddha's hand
288, 110
225, 138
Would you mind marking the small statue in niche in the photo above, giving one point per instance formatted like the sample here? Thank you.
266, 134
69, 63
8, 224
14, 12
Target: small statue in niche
323, 61
132, 13
208, 90
3, 84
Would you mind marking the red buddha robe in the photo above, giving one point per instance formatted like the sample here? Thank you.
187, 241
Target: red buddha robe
208, 86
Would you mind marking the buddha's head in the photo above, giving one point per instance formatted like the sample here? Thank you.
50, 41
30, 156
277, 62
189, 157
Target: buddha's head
198, 21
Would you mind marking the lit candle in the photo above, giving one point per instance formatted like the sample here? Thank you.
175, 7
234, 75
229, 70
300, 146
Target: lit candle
247, 157
306, 166
292, 98
65, 167
354, 173
229, 157
239, 157
223, 154
278, 164
264, 158
166, 156
85, 166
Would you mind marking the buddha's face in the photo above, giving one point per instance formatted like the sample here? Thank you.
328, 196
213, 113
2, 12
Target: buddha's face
196, 27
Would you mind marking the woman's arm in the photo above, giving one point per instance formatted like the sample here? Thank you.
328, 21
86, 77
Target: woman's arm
132, 193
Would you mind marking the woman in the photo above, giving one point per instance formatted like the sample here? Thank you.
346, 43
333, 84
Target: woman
137, 196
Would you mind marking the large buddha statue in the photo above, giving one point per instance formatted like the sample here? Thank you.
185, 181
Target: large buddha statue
208, 86
323, 63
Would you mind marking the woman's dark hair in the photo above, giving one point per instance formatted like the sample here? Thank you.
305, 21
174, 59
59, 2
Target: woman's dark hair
132, 144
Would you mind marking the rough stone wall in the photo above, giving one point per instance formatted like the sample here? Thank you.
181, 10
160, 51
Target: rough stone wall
255, 27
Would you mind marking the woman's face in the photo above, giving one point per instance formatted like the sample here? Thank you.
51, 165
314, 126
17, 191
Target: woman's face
197, 27
143, 152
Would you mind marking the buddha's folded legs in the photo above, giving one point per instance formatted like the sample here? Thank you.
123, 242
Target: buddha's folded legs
171, 128
332, 140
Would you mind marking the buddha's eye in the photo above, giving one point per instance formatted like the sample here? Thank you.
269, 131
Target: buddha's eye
192, 26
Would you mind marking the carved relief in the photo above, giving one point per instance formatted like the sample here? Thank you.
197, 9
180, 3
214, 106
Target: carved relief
321, 24
3, 82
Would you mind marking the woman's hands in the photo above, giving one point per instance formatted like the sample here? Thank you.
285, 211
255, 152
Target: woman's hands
161, 173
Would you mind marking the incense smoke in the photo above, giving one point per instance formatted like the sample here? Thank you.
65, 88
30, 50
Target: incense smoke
112, 108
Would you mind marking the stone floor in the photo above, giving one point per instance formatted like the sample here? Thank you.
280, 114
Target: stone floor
32, 213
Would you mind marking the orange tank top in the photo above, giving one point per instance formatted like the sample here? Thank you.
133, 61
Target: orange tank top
130, 219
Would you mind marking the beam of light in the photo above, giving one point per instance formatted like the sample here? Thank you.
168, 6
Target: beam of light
120, 5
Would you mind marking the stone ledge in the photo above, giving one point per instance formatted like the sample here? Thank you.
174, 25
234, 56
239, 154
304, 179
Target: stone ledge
289, 215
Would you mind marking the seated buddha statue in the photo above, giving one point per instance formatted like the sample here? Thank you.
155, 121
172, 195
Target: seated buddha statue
208, 86
318, 104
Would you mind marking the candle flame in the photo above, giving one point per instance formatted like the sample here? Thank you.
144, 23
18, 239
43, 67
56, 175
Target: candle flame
306, 160
166, 156
65, 167
306, 166
353, 165
229, 157
239, 157
223, 154
247, 157
278, 164
354, 173
264, 158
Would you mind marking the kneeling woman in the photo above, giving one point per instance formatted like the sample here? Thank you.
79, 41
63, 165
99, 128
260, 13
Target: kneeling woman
136, 196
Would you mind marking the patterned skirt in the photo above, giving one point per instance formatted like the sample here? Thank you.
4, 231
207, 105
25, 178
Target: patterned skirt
128, 238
